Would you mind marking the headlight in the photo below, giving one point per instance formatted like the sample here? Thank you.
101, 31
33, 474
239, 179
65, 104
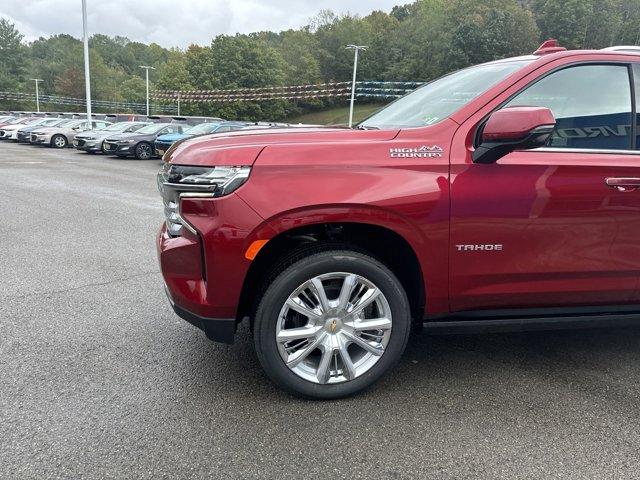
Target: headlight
87, 138
177, 181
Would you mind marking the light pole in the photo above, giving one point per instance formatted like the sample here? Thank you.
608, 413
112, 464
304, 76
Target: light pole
178, 103
146, 69
356, 48
37, 93
87, 77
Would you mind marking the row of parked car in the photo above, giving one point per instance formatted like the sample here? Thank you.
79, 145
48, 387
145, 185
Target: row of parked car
141, 138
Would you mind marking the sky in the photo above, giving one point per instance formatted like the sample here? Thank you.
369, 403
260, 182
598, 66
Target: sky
174, 23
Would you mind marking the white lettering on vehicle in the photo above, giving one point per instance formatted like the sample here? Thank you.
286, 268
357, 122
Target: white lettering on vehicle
424, 151
497, 247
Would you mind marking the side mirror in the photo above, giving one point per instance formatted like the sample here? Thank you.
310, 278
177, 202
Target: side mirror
514, 128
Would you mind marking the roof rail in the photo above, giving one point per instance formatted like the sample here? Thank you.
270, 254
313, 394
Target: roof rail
623, 48
549, 46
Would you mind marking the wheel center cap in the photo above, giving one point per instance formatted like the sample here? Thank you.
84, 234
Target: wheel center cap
333, 325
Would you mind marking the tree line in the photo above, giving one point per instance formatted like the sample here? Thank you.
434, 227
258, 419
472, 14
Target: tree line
414, 42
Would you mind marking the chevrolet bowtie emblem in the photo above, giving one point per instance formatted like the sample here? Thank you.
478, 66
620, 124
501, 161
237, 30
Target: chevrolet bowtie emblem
334, 325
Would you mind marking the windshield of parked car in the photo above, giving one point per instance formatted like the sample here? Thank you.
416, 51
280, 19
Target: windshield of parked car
50, 122
437, 100
75, 123
153, 128
118, 127
202, 128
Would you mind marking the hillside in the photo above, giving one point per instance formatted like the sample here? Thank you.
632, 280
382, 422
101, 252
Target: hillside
336, 116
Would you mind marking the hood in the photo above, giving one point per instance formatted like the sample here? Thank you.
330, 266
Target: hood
131, 136
30, 128
243, 147
92, 133
48, 129
172, 137
14, 126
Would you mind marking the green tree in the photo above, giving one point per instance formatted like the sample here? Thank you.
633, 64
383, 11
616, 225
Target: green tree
12, 54
174, 74
245, 61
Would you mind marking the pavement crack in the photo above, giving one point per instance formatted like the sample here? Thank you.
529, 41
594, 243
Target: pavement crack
80, 287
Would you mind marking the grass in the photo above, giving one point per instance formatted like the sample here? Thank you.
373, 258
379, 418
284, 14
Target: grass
337, 116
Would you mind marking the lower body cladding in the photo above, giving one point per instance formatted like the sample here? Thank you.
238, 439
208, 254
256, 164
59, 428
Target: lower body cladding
204, 271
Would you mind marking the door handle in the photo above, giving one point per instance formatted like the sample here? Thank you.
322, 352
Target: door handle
623, 184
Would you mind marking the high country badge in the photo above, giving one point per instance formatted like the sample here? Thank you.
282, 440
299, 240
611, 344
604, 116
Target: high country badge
424, 151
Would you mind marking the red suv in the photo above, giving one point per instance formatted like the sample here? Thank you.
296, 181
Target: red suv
504, 195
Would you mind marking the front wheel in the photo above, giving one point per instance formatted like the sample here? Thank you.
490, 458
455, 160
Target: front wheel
59, 141
331, 324
143, 151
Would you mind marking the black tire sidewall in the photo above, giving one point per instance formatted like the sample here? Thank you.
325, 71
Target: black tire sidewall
298, 273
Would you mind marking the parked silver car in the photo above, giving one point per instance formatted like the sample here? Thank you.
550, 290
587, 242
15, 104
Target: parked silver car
61, 136
92, 141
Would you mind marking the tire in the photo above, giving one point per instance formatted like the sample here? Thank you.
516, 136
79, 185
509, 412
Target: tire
59, 141
144, 151
351, 366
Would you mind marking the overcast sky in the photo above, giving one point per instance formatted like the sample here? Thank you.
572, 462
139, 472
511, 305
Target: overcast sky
174, 23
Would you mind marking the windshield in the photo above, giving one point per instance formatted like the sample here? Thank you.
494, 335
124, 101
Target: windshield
118, 127
437, 100
50, 122
153, 128
202, 128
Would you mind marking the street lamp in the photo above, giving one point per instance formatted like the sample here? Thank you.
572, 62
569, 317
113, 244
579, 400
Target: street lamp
356, 48
37, 93
146, 69
87, 78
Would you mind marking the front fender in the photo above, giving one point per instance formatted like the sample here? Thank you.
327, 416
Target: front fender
410, 200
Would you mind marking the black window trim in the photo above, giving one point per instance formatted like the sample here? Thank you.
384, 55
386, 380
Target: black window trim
627, 63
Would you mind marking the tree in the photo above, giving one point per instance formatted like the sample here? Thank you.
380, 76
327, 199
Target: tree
245, 61
12, 54
174, 74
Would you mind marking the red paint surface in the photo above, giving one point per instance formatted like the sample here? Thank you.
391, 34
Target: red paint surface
567, 238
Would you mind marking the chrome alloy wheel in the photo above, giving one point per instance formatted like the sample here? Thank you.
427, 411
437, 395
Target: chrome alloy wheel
60, 141
333, 328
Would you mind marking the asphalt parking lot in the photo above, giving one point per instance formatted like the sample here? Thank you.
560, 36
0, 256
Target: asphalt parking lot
99, 379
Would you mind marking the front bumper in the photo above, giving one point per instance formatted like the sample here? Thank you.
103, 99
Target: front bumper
40, 139
87, 145
24, 137
161, 148
114, 148
205, 267
217, 329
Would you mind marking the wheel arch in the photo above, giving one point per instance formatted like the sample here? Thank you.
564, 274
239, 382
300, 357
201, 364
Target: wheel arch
381, 242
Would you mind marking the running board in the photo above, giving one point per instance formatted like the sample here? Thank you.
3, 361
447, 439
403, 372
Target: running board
470, 325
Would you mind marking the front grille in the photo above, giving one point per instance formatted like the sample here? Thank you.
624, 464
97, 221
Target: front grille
109, 146
80, 143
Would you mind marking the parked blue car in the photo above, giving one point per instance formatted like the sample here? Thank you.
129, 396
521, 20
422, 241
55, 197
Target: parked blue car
163, 142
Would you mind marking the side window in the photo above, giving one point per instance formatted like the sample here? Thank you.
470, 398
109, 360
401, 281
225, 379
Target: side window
223, 129
591, 103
